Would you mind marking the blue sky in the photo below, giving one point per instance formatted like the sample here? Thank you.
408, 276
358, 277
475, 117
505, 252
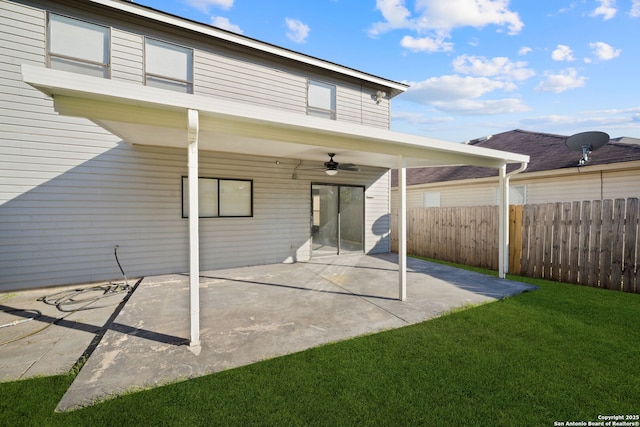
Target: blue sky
476, 67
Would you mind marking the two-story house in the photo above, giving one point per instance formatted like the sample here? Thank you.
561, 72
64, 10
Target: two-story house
114, 115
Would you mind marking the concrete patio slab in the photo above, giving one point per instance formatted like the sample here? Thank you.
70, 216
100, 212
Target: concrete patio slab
46, 331
255, 313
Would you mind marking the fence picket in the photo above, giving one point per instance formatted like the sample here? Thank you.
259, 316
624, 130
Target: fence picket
594, 244
583, 259
618, 241
565, 224
631, 266
515, 238
606, 242
574, 242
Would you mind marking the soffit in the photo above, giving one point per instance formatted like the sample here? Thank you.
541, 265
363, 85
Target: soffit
143, 115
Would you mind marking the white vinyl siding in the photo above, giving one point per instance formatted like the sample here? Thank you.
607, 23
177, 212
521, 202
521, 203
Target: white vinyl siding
356, 104
230, 77
127, 53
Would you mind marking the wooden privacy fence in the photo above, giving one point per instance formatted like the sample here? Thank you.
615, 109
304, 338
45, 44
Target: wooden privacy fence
591, 243
464, 235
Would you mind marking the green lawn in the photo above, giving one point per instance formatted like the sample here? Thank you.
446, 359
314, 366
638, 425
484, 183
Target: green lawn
561, 353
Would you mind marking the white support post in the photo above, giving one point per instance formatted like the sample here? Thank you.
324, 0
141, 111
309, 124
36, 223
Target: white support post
503, 219
194, 237
402, 229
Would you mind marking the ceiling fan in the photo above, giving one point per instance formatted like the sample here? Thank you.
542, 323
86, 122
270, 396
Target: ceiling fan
331, 167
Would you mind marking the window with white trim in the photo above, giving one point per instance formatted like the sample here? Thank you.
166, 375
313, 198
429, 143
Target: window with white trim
321, 99
78, 46
220, 197
168, 66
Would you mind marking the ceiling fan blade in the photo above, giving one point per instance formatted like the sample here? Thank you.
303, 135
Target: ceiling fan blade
348, 167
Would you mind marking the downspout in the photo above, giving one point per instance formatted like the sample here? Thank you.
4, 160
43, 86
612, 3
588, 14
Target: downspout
503, 218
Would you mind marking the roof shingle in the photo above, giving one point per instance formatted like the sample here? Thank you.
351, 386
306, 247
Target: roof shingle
547, 152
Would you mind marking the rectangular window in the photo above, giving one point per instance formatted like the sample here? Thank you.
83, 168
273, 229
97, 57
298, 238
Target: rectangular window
168, 66
321, 100
78, 46
220, 197
431, 199
517, 195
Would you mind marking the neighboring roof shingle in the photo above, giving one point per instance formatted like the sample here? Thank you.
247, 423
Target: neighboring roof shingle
547, 152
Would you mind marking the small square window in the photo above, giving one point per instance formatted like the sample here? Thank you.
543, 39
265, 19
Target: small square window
78, 46
235, 198
431, 199
321, 100
168, 66
517, 195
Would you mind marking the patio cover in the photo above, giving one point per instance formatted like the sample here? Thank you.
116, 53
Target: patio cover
148, 116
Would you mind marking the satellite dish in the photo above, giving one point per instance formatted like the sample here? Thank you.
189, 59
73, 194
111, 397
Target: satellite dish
586, 142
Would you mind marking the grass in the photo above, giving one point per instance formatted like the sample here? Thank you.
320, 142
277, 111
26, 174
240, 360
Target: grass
561, 353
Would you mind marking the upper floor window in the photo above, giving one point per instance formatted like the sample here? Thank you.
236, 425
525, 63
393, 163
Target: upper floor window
78, 46
168, 66
321, 100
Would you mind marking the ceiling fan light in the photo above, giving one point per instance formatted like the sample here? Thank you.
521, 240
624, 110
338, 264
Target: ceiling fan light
331, 172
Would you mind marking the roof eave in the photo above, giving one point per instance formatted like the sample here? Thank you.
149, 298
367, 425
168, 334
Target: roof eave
393, 88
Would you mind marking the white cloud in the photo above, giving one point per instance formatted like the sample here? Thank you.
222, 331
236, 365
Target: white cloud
298, 31
603, 51
426, 44
450, 88
525, 50
419, 118
607, 9
396, 15
485, 107
433, 20
499, 67
204, 5
450, 14
635, 9
568, 8
598, 119
562, 53
220, 22
565, 80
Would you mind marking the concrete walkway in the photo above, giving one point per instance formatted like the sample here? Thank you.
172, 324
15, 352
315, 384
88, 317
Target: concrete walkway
255, 313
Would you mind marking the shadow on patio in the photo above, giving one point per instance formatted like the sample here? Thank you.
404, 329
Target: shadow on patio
255, 313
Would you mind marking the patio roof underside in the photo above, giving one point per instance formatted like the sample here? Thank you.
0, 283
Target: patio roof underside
143, 115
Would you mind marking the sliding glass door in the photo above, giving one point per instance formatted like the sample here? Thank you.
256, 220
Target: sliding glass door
337, 224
